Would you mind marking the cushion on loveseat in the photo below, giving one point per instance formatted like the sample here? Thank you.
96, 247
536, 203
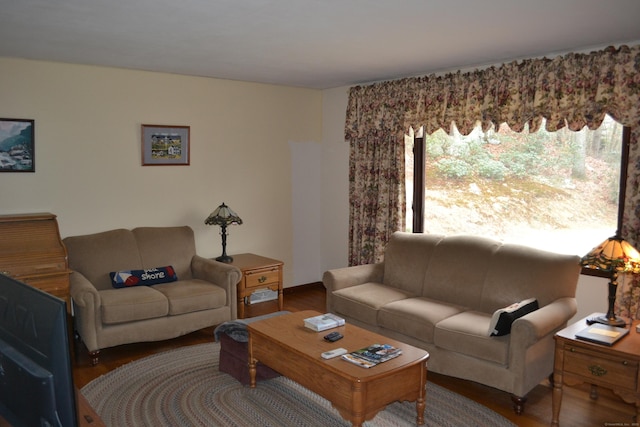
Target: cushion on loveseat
95, 255
186, 296
131, 304
148, 277
173, 246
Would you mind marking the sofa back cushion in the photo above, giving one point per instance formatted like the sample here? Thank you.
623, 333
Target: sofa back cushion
173, 246
406, 258
457, 270
518, 272
96, 255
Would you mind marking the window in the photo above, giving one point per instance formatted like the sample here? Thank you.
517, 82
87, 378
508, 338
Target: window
552, 190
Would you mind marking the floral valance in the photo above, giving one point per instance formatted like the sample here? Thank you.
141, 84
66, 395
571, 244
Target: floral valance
575, 90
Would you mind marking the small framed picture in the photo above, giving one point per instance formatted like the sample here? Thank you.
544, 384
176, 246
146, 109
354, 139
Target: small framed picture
165, 145
17, 145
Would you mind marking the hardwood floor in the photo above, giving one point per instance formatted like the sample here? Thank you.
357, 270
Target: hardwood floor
578, 410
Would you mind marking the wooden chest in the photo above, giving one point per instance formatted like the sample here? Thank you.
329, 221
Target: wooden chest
31, 251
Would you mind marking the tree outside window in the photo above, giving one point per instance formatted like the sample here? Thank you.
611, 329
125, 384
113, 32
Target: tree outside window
552, 190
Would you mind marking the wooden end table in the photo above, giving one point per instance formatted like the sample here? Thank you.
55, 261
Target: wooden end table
613, 367
258, 272
285, 345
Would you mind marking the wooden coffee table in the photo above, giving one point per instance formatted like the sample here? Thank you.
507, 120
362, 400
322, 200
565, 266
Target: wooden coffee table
285, 345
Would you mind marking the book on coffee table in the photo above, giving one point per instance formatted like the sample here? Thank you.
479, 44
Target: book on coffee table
370, 356
323, 322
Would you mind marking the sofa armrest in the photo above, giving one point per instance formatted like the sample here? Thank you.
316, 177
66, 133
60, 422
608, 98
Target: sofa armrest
346, 277
224, 275
86, 309
542, 322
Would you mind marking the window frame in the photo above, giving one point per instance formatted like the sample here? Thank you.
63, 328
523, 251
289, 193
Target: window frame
419, 183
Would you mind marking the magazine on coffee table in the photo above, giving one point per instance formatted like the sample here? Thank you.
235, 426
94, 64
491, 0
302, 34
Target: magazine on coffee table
370, 356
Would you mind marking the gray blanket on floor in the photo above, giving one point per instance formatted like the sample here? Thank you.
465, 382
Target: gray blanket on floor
237, 329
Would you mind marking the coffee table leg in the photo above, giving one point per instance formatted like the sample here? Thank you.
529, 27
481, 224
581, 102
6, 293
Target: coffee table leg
252, 365
421, 402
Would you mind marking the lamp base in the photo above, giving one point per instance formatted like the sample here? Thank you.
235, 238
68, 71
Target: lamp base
616, 321
225, 258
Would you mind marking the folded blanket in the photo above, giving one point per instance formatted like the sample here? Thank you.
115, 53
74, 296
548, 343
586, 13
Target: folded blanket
237, 329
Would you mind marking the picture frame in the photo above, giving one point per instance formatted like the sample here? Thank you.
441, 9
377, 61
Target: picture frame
17, 145
165, 145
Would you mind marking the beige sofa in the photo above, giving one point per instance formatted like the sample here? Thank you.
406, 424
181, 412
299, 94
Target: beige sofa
204, 294
439, 293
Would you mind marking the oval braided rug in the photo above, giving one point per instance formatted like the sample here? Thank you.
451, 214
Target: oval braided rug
183, 387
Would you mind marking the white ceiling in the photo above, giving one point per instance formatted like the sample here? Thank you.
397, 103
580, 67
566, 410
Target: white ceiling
310, 43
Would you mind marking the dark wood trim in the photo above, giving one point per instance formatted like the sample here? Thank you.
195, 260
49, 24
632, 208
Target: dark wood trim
624, 168
419, 174
622, 195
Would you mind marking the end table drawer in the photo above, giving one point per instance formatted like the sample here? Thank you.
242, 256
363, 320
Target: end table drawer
599, 370
264, 277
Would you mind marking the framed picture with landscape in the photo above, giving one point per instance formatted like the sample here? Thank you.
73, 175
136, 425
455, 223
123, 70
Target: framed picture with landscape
17, 149
165, 145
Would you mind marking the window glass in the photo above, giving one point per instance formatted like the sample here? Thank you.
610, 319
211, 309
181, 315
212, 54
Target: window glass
552, 190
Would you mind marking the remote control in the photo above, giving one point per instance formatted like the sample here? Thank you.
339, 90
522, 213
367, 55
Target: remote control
333, 336
334, 353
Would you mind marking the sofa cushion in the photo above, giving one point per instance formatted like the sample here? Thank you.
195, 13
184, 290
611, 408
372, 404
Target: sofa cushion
131, 304
466, 333
457, 270
405, 260
186, 296
416, 317
152, 276
517, 272
362, 302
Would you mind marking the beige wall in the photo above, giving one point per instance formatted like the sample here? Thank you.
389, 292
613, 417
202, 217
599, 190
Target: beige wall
335, 179
88, 161
88, 168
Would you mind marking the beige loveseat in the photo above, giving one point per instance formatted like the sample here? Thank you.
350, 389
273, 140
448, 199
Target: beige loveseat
204, 294
439, 293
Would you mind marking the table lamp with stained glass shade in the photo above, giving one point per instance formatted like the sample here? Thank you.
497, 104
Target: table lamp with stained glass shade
613, 256
223, 216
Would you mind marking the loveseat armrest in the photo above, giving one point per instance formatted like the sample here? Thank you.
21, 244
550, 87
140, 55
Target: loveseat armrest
86, 309
224, 275
346, 277
84, 293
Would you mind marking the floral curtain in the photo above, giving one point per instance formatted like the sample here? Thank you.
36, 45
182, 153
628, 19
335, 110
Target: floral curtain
573, 90
376, 194
376, 120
